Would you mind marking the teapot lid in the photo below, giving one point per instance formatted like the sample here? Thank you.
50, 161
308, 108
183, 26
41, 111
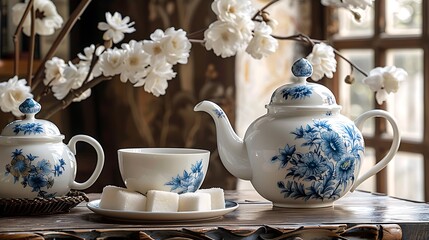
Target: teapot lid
302, 94
30, 127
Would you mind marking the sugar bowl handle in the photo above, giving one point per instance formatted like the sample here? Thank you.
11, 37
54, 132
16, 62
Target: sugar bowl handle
393, 148
100, 160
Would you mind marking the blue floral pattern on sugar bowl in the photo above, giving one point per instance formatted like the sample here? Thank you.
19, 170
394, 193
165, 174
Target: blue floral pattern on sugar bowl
37, 175
303, 152
34, 162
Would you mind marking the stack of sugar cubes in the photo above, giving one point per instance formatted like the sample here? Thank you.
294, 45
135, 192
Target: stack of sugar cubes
117, 198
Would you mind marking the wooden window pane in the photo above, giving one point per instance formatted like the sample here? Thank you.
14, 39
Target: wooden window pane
357, 98
395, 35
407, 104
349, 27
405, 16
405, 176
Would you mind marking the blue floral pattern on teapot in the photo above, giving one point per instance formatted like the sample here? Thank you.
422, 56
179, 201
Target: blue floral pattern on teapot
28, 128
327, 168
298, 92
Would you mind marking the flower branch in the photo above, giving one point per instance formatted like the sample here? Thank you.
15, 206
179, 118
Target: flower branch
298, 37
149, 63
352, 65
71, 96
18, 34
64, 32
32, 44
260, 12
304, 38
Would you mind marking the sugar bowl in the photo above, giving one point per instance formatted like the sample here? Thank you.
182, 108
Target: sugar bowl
34, 161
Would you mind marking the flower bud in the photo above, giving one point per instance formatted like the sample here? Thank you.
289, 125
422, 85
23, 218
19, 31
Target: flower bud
108, 44
349, 79
356, 15
269, 20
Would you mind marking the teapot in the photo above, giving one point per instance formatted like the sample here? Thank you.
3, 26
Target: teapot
303, 153
34, 162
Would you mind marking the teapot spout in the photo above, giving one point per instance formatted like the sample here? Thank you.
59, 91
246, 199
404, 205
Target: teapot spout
232, 149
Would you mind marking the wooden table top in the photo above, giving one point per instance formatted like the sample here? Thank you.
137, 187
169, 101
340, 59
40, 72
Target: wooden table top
254, 212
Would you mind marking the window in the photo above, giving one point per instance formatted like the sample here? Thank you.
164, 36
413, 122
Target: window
394, 32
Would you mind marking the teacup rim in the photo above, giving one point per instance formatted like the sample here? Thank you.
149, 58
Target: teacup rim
163, 151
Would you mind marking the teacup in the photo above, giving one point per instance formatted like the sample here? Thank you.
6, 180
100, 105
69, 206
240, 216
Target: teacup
177, 170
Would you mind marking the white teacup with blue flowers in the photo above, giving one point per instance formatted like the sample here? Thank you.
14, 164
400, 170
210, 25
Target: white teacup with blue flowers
176, 170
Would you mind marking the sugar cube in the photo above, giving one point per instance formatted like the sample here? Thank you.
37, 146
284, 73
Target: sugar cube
117, 198
162, 201
217, 197
194, 202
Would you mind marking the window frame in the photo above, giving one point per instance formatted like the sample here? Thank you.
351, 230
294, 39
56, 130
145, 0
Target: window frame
380, 42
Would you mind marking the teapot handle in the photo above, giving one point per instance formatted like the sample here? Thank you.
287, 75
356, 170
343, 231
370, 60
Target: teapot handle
393, 148
100, 160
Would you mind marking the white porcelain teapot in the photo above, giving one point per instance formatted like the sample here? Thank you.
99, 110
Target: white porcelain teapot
302, 153
34, 162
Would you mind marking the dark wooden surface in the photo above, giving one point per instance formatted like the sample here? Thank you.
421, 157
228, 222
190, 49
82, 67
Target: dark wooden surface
370, 212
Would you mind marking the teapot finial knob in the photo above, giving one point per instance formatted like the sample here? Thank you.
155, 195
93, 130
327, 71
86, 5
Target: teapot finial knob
30, 107
302, 68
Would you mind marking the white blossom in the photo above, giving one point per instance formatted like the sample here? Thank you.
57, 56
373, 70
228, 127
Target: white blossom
356, 4
173, 46
112, 62
115, 27
176, 46
54, 69
232, 10
226, 38
385, 80
154, 47
262, 43
12, 94
136, 60
47, 19
87, 56
155, 81
75, 76
323, 60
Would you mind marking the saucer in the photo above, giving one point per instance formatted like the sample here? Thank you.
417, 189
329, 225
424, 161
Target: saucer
161, 216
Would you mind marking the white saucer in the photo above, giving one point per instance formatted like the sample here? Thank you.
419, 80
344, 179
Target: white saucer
161, 216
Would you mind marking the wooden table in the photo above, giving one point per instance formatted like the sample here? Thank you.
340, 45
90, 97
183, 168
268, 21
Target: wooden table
368, 215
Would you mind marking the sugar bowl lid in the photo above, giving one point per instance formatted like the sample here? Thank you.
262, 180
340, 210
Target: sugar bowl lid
30, 127
302, 94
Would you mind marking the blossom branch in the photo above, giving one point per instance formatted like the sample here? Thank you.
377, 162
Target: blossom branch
17, 34
66, 101
94, 61
304, 38
197, 41
350, 62
32, 43
65, 30
298, 37
192, 34
149, 63
263, 9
